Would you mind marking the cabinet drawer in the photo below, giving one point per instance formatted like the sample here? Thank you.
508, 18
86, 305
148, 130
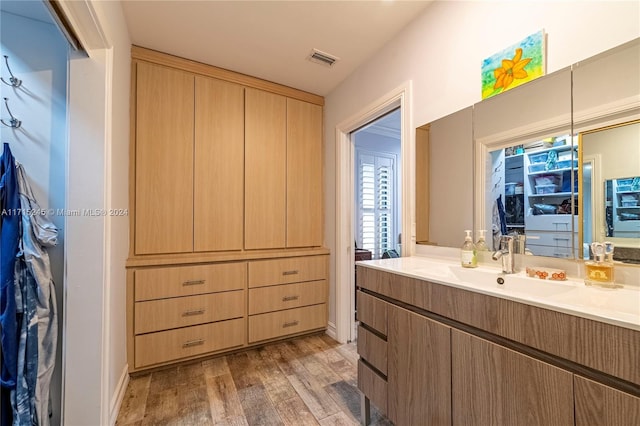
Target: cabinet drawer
551, 239
172, 345
373, 386
156, 315
372, 312
373, 349
281, 323
159, 283
550, 251
286, 296
284, 271
551, 222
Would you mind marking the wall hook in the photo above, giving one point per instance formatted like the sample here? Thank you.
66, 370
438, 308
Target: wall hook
15, 82
14, 122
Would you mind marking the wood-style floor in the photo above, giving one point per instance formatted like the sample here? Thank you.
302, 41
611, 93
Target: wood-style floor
310, 380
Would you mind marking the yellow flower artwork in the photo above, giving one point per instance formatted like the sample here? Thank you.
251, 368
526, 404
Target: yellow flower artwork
510, 70
513, 66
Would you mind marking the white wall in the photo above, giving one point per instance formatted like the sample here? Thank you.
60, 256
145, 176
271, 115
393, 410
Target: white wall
96, 370
441, 52
38, 56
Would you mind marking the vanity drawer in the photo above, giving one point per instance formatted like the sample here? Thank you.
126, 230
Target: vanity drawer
372, 312
290, 321
156, 315
373, 349
289, 270
286, 296
164, 346
373, 386
159, 283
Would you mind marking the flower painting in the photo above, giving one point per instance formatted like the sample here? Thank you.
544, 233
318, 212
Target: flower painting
514, 65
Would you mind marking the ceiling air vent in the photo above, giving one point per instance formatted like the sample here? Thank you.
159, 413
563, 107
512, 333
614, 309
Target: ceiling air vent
322, 58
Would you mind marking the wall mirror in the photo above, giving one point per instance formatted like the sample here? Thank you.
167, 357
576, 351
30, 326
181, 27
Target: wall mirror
523, 146
610, 184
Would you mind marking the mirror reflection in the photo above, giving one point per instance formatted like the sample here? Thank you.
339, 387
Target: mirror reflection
534, 194
611, 186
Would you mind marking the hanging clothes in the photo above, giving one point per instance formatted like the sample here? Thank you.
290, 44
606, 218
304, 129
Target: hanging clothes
10, 218
38, 234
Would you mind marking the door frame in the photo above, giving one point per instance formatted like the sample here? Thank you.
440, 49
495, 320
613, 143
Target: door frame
345, 205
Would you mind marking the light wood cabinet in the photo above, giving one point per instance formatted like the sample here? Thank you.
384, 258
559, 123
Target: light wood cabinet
219, 165
226, 171
287, 296
185, 311
164, 160
265, 170
492, 385
419, 369
597, 404
304, 174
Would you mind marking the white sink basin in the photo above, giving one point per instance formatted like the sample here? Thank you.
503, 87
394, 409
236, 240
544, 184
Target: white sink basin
516, 283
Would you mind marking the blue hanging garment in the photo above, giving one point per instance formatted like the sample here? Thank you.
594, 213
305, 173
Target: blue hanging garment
10, 218
9, 240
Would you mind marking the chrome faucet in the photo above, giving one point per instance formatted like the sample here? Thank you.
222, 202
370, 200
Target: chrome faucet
506, 252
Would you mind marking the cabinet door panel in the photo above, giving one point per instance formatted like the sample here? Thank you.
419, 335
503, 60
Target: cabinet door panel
219, 165
598, 404
304, 174
265, 170
164, 160
492, 385
419, 369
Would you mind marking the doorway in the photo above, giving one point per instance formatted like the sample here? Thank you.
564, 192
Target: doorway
377, 176
397, 99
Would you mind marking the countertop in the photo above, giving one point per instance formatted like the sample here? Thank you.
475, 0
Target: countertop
620, 306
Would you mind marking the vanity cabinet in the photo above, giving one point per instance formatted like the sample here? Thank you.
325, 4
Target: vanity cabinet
419, 390
226, 175
457, 357
597, 404
492, 385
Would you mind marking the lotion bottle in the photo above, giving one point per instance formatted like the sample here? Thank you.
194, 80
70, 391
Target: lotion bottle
468, 257
481, 245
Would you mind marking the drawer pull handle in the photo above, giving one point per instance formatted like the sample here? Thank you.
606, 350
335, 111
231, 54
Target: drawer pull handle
290, 324
290, 298
192, 343
561, 239
194, 282
193, 312
293, 272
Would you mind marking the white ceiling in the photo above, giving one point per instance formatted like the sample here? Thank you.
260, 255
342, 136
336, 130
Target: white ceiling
271, 39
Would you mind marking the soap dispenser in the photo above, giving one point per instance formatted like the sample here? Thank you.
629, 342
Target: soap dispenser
599, 271
468, 257
481, 245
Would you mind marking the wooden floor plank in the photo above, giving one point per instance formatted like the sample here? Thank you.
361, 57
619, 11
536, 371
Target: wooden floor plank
135, 401
294, 412
258, 408
314, 397
310, 380
338, 419
223, 397
215, 366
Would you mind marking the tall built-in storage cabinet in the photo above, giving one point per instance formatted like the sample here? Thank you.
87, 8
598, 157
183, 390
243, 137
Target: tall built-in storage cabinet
226, 199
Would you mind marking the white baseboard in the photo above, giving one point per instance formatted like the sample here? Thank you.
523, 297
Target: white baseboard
118, 396
331, 331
